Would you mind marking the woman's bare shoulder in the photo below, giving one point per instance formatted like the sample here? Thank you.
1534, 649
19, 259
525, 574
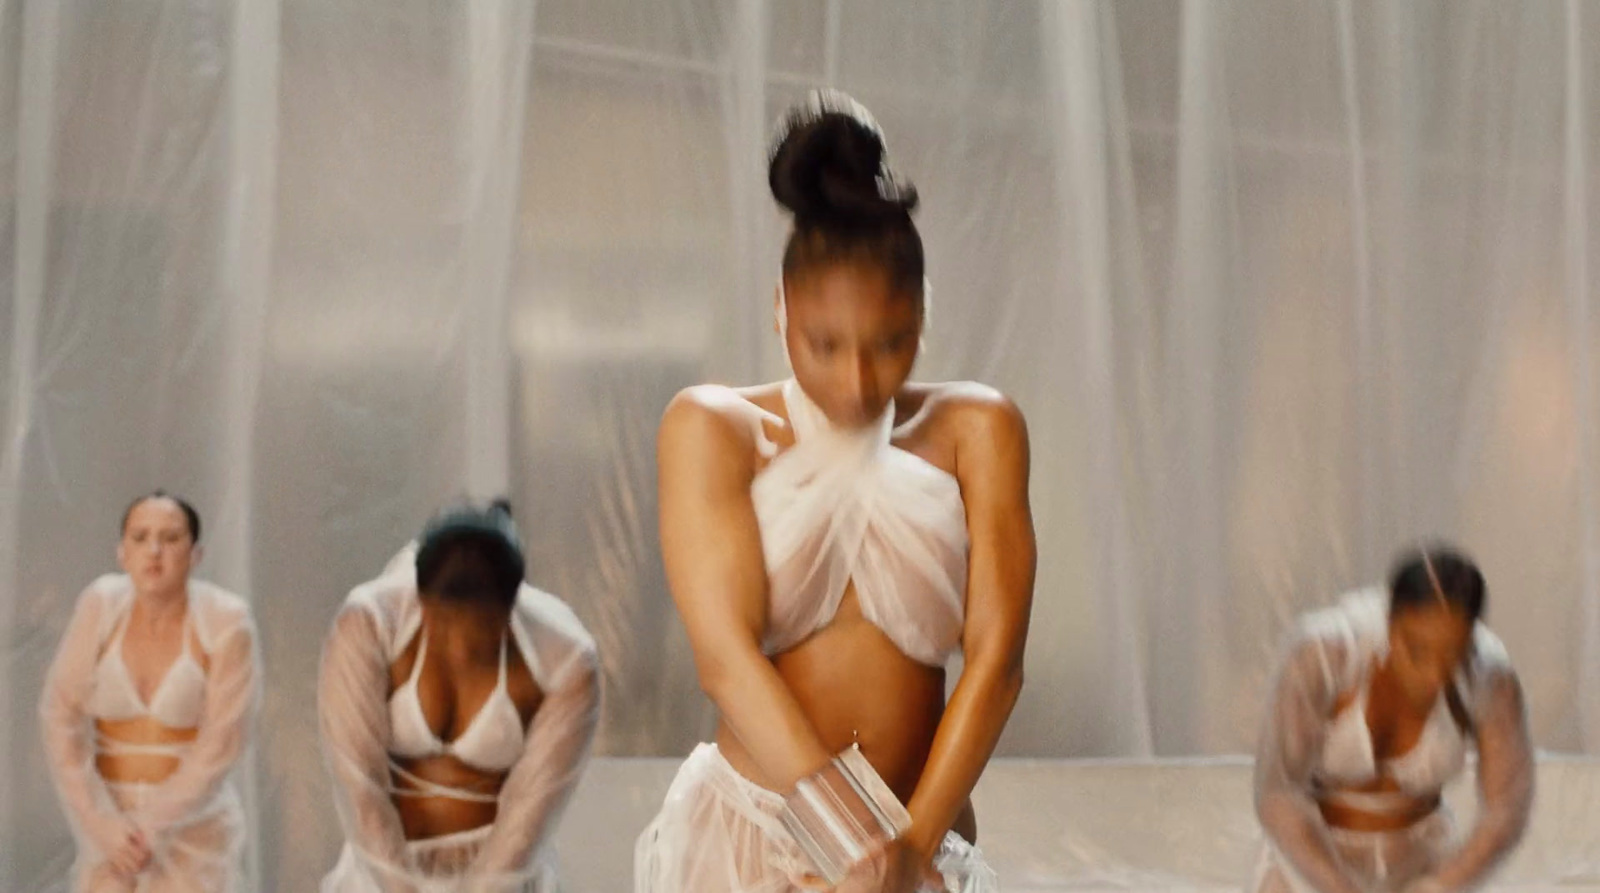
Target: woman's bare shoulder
714, 414
967, 414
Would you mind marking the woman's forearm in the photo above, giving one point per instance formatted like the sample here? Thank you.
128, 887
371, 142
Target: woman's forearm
976, 715
756, 704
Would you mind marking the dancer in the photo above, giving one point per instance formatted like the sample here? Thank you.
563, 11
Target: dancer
1372, 714
458, 705
147, 709
830, 542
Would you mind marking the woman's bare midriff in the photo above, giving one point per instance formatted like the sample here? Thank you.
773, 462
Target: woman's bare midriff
459, 680
856, 687
423, 817
138, 768
1406, 811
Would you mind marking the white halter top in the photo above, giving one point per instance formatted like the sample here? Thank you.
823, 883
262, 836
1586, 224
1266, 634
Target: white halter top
845, 505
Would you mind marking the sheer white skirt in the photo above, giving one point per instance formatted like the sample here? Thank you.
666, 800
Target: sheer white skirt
1377, 861
718, 832
202, 855
438, 865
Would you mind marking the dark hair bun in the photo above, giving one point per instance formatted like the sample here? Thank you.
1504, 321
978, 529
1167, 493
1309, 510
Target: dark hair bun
492, 528
828, 164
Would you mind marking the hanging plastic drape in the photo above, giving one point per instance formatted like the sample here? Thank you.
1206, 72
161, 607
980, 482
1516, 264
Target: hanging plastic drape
1281, 288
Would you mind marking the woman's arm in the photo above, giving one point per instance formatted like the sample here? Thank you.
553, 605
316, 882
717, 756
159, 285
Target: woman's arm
992, 465
711, 546
1505, 787
352, 708
1289, 750
232, 694
540, 785
68, 742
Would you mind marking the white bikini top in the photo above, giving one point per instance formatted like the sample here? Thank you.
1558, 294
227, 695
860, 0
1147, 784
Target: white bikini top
178, 700
1354, 637
1439, 754
492, 742
552, 642
846, 505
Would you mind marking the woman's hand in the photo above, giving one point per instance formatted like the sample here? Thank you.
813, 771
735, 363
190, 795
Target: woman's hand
897, 867
121, 844
126, 849
133, 856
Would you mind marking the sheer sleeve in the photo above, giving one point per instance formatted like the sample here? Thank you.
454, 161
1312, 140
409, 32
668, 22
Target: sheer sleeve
354, 724
537, 790
1303, 697
68, 730
232, 696
539, 786
1505, 783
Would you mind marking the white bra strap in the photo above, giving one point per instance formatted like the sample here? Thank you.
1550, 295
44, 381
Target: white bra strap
501, 684
426, 788
191, 630
422, 652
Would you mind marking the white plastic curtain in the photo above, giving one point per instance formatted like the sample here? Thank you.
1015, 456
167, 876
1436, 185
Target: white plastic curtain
1282, 286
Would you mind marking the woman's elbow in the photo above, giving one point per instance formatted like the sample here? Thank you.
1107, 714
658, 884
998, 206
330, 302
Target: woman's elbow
1005, 687
1001, 676
715, 678
724, 670
1275, 809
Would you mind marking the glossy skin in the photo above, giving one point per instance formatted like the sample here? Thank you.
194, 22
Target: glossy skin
852, 341
459, 673
1426, 646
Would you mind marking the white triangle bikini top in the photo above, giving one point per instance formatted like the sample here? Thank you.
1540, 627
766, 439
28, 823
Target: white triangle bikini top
492, 742
178, 700
846, 506
1360, 623
1438, 755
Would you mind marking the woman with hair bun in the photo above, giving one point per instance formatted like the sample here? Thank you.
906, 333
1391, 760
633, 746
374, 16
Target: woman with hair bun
458, 705
149, 709
830, 542
1376, 704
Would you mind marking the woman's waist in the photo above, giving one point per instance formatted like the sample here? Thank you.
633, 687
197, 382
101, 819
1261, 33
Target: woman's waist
440, 795
869, 696
443, 777
429, 817
1375, 808
140, 750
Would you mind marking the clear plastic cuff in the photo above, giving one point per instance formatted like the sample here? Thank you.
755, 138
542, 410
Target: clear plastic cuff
838, 815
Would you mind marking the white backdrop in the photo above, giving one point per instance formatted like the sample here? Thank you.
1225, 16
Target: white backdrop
1280, 285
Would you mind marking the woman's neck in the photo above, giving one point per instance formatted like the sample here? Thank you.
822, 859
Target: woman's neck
462, 626
1384, 688
160, 605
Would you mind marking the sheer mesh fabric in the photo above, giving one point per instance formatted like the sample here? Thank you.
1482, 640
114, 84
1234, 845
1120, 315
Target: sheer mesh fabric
718, 832
1326, 657
193, 818
846, 505
378, 619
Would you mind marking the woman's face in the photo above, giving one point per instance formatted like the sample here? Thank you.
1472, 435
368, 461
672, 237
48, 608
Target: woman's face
157, 551
852, 339
1426, 646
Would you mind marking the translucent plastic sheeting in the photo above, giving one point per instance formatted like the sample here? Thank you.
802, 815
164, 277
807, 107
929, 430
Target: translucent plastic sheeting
1281, 287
